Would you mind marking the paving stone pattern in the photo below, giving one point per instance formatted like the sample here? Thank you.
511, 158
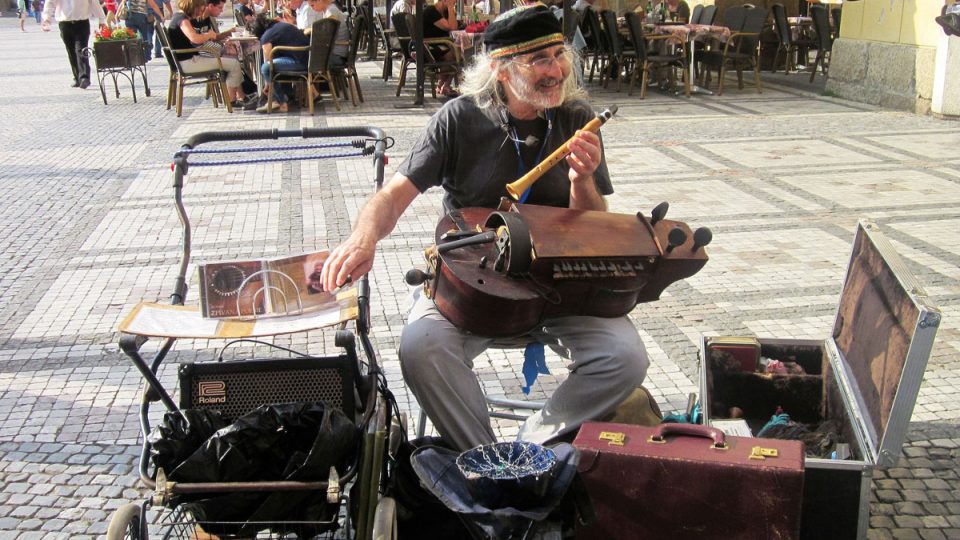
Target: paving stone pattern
89, 230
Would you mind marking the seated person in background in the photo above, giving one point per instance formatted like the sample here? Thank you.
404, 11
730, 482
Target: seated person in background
677, 10
581, 5
401, 6
276, 34
439, 20
245, 8
305, 16
326, 9
190, 28
285, 13
521, 87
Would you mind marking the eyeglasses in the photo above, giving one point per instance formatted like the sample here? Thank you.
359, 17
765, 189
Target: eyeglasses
546, 63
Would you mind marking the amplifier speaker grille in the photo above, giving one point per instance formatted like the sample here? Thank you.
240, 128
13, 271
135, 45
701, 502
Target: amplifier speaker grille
236, 388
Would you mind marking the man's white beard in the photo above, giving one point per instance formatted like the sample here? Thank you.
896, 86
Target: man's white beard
527, 91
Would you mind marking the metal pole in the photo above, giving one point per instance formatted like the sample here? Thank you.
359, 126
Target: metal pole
421, 53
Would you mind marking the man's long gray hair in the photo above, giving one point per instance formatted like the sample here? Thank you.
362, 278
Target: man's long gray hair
480, 81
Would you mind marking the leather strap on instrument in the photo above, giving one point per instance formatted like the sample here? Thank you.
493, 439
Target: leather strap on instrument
514, 249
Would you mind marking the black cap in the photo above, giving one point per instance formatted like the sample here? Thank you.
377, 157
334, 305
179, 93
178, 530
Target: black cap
522, 30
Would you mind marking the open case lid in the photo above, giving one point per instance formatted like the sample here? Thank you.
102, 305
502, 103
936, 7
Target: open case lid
883, 334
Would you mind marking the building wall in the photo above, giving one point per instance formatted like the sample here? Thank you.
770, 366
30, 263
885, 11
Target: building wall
885, 53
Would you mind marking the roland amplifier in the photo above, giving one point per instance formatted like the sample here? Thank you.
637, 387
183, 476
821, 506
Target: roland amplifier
238, 387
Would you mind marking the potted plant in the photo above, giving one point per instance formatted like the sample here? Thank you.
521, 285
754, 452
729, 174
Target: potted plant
119, 52
117, 48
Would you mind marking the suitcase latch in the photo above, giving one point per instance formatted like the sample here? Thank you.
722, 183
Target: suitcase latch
613, 438
759, 452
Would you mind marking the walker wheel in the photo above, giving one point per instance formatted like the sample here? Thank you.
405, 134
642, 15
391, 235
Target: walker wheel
127, 523
385, 520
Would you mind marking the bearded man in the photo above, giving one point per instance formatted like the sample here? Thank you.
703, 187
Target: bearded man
519, 103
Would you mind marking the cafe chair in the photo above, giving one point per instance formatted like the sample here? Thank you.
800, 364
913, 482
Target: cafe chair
709, 14
648, 60
600, 47
835, 17
323, 33
347, 78
696, 14
623, 58
213, 80
791, 47
821, 25
405, 40
391, 45
433, 67
742, 49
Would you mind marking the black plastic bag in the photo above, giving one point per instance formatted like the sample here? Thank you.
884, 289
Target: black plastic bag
174, 439
290, 441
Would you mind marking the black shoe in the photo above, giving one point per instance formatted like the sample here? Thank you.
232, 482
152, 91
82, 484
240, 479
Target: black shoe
251, 104
84, 83
75, 84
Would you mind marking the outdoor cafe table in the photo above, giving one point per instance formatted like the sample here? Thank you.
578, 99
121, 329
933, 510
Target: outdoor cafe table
691, 33
245, 46
468, 42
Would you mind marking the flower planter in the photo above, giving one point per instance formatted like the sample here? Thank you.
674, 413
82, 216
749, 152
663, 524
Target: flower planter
120, 57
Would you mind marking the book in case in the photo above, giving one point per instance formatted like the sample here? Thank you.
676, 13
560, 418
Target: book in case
264, 287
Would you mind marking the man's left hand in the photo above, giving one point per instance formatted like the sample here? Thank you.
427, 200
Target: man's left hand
585, 154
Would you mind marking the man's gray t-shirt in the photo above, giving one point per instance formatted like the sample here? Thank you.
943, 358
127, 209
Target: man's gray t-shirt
470, 155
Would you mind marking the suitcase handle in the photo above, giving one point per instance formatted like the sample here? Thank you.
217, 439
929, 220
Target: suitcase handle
660, 433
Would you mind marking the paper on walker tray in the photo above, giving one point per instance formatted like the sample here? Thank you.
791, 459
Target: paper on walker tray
263, 288
165, 320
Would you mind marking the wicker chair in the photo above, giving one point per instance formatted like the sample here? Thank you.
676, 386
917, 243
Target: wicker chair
623, 57
742, 50
323, 33
646, 62
404, 23
213, 80
790, 46
346, 76
821, 25
597, 44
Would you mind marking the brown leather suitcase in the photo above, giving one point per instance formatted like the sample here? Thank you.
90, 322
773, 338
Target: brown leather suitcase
684, 481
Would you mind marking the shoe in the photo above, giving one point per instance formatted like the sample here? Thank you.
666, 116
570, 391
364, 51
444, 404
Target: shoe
75, 84
251, 105
84, 83
273, 106
237, 105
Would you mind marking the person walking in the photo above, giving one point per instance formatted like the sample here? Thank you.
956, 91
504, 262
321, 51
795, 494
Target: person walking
142, 14
22, 10
73, 18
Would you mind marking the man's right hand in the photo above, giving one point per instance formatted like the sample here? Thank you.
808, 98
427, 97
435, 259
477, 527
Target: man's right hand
347, 262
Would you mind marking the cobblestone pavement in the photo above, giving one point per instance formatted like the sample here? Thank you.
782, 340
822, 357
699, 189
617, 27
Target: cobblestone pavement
89, 230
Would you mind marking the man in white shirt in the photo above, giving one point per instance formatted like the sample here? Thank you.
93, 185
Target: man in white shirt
73, 18
305, 15
401, 6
